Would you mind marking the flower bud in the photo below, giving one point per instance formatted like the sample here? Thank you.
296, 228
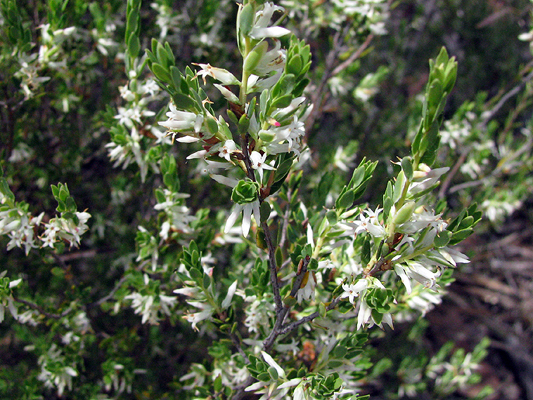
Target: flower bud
404, 213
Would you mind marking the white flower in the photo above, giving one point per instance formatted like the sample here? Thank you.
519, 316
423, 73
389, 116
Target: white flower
307, 292
19, 226
247, 211
127, 116
178, 215
222, 75
143, 305
454, 256
262, 19
343, 161
188, 291
231, 291
182, 120
424, 301
352, 291
255, 84
270, 361
149, 87
66, 229
54, 371
272, 60
259, 164
227, 149
364, 314
148, 306
421, 219
126, 93
416, 271
207, 312
228, 94
425, 177
11, 307
283, 139
281, 113
161, 136
369, 223
258, 314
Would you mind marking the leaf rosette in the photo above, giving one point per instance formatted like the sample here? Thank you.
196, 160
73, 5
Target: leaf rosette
245, 192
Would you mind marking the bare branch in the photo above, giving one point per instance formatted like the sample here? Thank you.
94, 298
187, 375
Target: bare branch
41, 310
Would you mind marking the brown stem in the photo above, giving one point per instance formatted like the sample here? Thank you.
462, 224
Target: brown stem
293, 325
280, 317
41, 310
273, 268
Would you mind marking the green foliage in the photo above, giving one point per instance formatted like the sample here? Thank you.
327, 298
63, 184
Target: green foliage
163, 274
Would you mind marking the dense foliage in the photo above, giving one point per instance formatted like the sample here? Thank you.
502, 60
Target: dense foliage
212, 199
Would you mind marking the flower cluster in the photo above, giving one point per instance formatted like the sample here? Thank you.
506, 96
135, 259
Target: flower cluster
127, 143
269, 127
20, 226
177, 214
281, 275
56, 371
66, 229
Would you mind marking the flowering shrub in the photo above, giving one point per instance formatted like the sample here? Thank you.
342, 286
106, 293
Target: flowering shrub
219, 231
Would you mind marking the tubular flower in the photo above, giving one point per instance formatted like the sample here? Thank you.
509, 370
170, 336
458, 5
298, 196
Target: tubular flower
261, 30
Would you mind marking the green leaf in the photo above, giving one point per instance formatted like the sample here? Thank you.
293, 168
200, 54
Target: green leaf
212, 125
6, 191
160, 196
254, 57
398, 187
442, 238
184, 102
244, 124
387, 200
177, 78
245, 192
263, 377
345, 200
339, 351
404, 213
217, 385
300, 86
279, 257
246, 19
284, 168
56, 271
322, 310
407, 167
461, 235
206, 281
134, 45
232, 117
161, 73
282, 102
331, 216
366, 251
284, 86
265, 210
467, 222
334, 364
294, 66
